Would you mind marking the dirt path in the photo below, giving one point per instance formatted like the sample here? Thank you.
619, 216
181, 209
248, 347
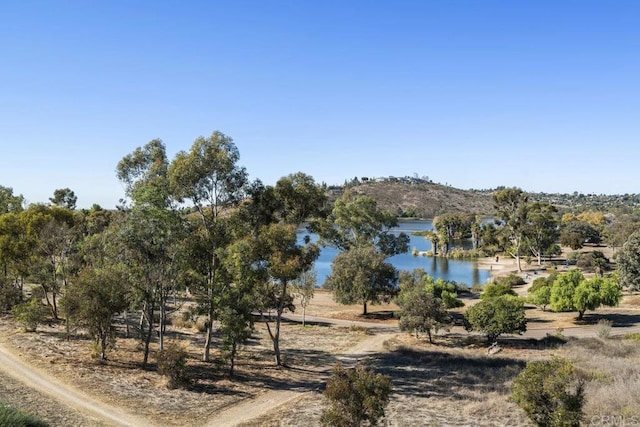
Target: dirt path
251, 409
270, 401
11, 365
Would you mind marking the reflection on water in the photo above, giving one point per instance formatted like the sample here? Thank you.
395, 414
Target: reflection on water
460, 271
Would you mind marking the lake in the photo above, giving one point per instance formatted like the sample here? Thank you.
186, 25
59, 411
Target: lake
460, 271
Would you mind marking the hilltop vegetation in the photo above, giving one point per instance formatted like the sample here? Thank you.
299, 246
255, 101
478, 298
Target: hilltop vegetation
422, 198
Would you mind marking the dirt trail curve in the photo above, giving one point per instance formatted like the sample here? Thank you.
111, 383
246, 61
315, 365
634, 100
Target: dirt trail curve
33, 378
270, 401
249, 409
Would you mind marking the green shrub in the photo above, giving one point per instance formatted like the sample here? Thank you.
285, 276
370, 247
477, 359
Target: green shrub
494, 290
512, 280
172, 364
496, 316
10, 296
13, 417
355, 396
550, 393
634, 336
30, 314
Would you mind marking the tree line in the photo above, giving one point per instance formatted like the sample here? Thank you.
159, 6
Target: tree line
192, 226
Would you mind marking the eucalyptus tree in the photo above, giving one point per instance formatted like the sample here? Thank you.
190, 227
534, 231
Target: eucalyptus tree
628, 261
277, 213
363, 233
240, 299
10, 202
541, 231
151, 233
93, 299
284, 260
210, 178
55, 236
16, 245
64, 197
512, 206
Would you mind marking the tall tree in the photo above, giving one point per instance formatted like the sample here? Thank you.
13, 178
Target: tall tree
628, 260
541, 231
511, 205
363, 233
10, 202
150, 232
65, 198
209, 176
93, 300
284, 260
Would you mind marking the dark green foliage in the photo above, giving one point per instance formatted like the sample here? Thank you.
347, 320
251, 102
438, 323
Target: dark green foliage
64, 197
494, 290
550, 393
496, 316
93, 300
512, 280
30, 314
629, 263
575, 234
593, 261
361, 276
422, 312
12, 417
10, 296
172, 364
362, 232
356, 396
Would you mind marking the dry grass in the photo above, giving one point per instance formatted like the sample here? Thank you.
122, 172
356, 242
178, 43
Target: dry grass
451, 383
121, 382
612, 369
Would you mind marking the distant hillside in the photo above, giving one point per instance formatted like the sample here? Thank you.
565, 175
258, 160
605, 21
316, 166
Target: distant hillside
413, 197
425, 199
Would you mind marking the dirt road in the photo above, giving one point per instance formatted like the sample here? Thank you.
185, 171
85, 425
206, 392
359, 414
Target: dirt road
67, 395
252, 408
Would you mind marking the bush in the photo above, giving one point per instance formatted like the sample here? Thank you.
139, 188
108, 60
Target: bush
550, 393
512, 280
494, 290
30, 314
10, 296
13, 417
496, 316
172, 364
355, 396
604, 328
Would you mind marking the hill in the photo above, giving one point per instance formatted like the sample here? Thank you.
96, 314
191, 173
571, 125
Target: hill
425, 199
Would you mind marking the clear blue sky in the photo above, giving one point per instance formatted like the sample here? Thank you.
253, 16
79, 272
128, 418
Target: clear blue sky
543, 95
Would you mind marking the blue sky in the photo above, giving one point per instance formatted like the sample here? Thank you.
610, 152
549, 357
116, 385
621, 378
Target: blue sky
543, 95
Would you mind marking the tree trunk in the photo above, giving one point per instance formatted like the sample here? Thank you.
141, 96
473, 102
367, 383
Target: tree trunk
126, 324
364, 308
163, 316
209, 332
209, 325
234, 348
429, 335
147, 338
304, 312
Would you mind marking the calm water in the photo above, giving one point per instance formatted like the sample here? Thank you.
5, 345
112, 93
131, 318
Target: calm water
466, 272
